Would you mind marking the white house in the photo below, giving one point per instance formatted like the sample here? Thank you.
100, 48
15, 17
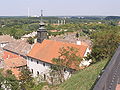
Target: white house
5, 39
39, 58
26, 36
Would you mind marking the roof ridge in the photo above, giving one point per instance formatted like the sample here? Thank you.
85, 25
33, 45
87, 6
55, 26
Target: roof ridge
65, 42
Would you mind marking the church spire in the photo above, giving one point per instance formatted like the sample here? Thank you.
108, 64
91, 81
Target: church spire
41, 16
42, 25
41, 32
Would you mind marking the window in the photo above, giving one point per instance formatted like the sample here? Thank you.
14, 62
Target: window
31, 60
37, 73
37, 62
32, 70
44, 77
64, 70
43, 64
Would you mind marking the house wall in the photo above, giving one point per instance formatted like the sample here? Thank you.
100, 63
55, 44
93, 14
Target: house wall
38, 66
87, 51
3, 44
85, 63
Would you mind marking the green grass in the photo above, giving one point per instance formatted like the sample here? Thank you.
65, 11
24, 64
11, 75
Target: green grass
83, 79
39, 87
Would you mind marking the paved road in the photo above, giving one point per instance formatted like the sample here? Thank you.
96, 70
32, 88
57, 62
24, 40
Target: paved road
115, 78
111, 75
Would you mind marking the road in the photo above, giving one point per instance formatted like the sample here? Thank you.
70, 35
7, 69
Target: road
110, 78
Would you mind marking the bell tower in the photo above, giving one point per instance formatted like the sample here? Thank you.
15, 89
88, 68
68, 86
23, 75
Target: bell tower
41, 32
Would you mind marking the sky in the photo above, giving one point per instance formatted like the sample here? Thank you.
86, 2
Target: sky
60, 7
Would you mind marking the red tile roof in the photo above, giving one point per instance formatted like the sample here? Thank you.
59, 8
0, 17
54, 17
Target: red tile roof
1, 53
9, 55
16, 72
49, 49
15, 62
118, 87
6, 38
20, 47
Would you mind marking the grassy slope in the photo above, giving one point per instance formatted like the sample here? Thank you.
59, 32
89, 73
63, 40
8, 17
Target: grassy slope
84, 79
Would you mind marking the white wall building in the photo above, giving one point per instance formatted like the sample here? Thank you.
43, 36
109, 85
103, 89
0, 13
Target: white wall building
38, 67
39, 58
5, 39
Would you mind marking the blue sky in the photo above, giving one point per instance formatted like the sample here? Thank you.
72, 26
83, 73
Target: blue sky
59, 7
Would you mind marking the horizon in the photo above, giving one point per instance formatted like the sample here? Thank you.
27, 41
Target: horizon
53, 15
60, 8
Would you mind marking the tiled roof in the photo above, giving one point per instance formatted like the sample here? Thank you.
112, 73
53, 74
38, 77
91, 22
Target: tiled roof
9, 55
15, 62
49, 49
118, 87
15, 71
19, 46
1, 53
71, 38
5, 38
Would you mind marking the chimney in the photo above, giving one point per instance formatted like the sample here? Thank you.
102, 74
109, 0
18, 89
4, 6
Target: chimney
35, 40
78, 42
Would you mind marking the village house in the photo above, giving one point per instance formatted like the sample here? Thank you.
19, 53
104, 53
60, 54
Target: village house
13, 55
119, 23
5, 39
17, 48
15, 65
1, 58
26, 36
40, 57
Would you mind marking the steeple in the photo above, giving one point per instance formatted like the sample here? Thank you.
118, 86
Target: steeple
41, 16
41, 32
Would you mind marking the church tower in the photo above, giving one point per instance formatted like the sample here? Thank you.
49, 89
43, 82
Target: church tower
41, 32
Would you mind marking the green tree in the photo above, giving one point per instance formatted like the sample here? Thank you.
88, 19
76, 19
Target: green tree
67, 59
1, 80
77, 35
30, 40
104, 44
26, 79
10, 81
1, 33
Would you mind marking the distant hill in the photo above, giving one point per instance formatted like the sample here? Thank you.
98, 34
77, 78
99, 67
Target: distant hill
112, 18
